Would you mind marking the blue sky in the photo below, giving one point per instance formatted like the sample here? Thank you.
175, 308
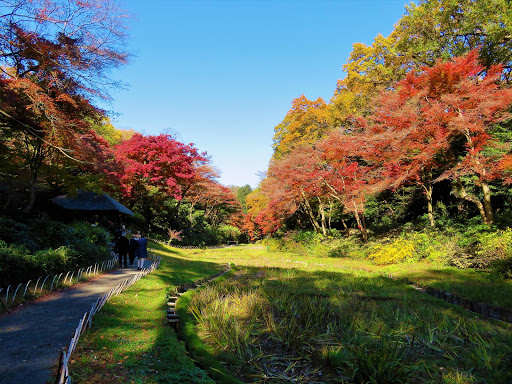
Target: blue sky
222, 73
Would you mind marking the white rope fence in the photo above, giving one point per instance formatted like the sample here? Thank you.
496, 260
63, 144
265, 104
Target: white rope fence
196, 246
8, 297
63, 376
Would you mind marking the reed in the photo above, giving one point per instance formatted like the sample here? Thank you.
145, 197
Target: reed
292, 325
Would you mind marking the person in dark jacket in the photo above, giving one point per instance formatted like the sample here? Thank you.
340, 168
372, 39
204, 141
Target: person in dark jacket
134, 244
142, 251
123, 248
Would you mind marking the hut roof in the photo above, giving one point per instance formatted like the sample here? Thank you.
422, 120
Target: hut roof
90, 201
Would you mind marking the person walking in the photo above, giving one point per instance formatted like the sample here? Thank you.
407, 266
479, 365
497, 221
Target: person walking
134, 244
142, 251
123, 248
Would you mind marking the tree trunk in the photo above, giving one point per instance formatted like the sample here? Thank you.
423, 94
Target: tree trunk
310, 213
462, 193
32, 193
360, 224
489, 214
174, 212
430, 206
321, 209
330, 214
34, 160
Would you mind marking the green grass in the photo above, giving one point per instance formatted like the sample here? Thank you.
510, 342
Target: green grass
130, 341
331, 326
203, 354
479, 286
309, 315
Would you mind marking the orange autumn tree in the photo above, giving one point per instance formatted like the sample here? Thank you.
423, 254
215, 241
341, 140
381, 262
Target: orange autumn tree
305, 122
351, 171
297, 185
219, 203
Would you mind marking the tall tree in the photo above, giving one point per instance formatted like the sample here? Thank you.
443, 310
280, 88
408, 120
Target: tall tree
442, 29
350, 173
440, 120
304, 123
241, 195
296, 184
158, 162
217, 201
54, 57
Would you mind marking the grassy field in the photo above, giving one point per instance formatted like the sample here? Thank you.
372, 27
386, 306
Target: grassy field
287, 318
130, 341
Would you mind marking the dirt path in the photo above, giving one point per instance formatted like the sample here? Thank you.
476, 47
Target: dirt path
32, 338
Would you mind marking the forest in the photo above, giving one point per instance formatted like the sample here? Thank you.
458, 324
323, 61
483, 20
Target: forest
415, 143
56, 59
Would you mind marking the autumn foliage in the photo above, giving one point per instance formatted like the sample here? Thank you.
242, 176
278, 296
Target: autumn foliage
434, 125
420, 125
55, 59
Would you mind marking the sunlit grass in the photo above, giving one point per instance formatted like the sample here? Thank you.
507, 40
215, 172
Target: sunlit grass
475, 285
334, 326
316, 318
130, 341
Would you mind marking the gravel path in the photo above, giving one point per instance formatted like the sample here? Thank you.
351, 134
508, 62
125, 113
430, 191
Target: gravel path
32, 338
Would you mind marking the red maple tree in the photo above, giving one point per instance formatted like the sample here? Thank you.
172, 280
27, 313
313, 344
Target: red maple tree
158, 162
421, 126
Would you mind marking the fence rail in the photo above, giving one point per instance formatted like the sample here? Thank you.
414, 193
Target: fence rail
9, 294
63, 375
195, 246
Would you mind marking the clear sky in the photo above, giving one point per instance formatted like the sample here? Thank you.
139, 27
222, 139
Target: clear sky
222, 73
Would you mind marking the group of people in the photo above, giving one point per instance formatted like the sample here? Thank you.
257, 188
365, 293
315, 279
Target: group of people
128, 250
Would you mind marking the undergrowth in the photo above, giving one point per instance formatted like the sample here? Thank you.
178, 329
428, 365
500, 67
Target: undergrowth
277, 325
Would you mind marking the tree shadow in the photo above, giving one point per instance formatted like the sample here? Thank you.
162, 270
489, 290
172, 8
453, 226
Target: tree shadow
166, 359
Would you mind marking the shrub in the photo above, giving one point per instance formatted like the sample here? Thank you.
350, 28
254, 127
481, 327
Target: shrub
434, 246
54, 260
347, 247
307, 238
484, 247
503, 267
40, 246
399, 250
495, 245
16, 264
228, 233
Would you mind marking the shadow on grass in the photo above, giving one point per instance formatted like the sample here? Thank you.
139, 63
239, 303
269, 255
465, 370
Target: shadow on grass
473, 285
131, 341
162, 247
365, 307
136, 344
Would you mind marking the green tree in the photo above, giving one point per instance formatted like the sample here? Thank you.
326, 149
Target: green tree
435, 29
242, 194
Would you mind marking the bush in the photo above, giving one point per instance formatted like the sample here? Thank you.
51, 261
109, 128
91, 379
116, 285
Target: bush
347, 247
228, 233
503, 267
399, 250
495, 245
16, 264
309, 243
484, 247
435, 246
40, 247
